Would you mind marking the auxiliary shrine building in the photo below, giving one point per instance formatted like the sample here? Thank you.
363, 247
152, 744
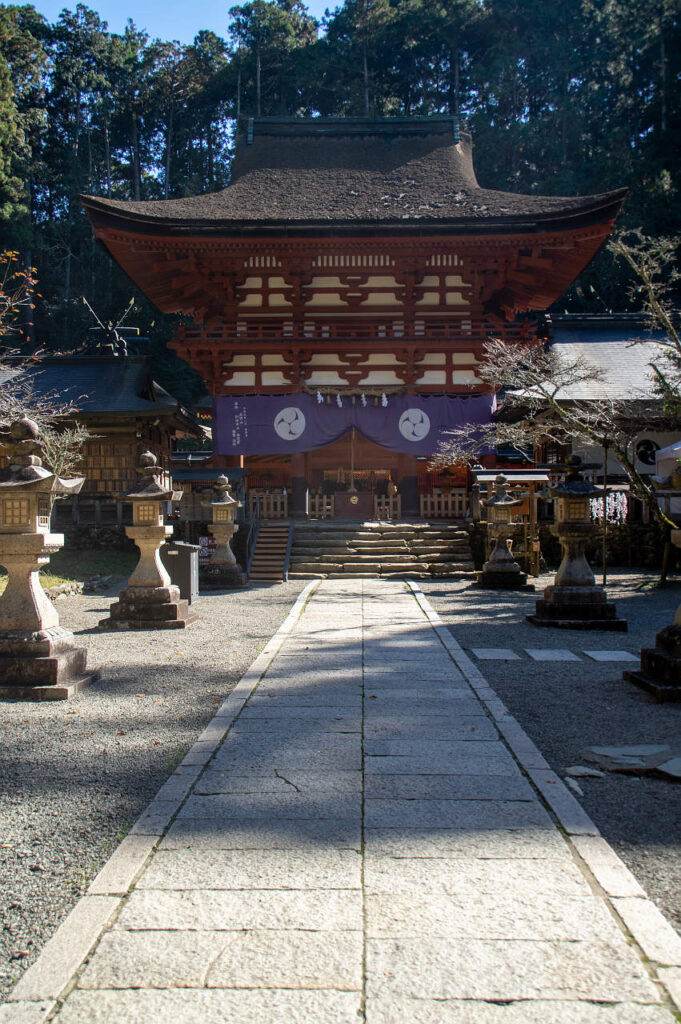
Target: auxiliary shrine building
338, 294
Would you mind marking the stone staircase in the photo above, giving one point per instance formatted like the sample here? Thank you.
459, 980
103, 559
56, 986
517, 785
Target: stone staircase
367, 550
269, 554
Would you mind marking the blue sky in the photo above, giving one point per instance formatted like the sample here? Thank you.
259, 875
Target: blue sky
165, 19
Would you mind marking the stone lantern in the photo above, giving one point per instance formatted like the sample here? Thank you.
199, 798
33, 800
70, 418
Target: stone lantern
501, 570
660, 671
149, 601
574, 601
38, 658
223, 569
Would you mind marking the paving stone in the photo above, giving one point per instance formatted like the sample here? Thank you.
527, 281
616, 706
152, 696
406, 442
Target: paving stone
211, 1006
465, 877
284, 761
670, 978
252, 869
472, 814
290, 959
26, 1012
606, 867
539, 916
154, 959
271, 806
611, 656
569, 811
550, 654
126, 861
380, 704
63, 954
284, 834
179, 783
311, 783
287, 724
199, 909
391, 1010
447, 787
651, 930
457, 728
439, 763
154, 820
491, 969
671, 768
495, 654
477, 746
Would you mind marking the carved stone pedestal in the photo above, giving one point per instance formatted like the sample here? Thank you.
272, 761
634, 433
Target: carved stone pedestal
574, 601
660, 671
501, 571
39, 659
149, 608
223, 570
577, 608
149, 601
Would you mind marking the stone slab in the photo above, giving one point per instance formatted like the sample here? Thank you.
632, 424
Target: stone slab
154, 820
476, 746
439, 763
26, 1012
431, 731
211, 1006
63, 954
469, 814
495, 654
551, 654
566, 808
501, 970
252, 869
607, 868
153, 959
200, 909
651, 930
290, 959
123, 866
670, 978
310, 783
179, 783
466, 876
254, 834
391, 1010
611, 656
272, 806
539, 916
220, 959
447, 787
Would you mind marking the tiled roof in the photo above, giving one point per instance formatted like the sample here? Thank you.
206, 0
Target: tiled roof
623, 349
97, 384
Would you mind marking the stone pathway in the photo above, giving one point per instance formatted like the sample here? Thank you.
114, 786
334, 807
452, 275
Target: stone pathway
361, 834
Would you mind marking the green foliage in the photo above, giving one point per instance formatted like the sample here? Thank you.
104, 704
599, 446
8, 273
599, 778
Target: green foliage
562, 98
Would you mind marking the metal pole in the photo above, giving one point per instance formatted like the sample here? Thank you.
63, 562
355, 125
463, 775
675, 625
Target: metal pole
605, 514
352, 487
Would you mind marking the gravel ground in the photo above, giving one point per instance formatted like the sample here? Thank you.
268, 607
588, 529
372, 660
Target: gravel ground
566, 707
75, 774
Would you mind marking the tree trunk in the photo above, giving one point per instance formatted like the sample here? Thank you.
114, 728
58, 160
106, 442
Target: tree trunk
365, 67
258, 76
169, 141
107, 152
136, 175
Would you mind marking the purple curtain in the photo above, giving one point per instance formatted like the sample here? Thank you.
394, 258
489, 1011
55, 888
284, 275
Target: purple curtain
280, 424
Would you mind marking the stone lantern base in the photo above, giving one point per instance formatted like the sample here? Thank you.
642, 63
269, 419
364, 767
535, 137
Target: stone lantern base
501, 571
215, 576
660, 672
149, 608
493, 579
565, 607
42, 665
